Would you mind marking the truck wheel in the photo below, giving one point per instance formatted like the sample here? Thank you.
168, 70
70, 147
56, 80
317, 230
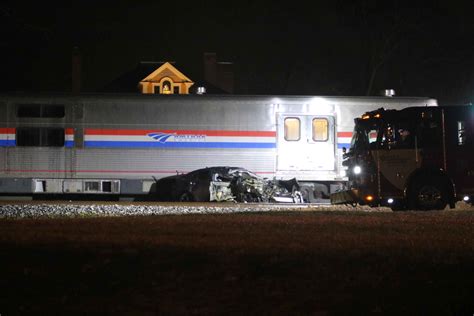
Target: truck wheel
428, 194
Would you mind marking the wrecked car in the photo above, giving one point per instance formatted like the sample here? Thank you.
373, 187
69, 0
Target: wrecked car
226, 184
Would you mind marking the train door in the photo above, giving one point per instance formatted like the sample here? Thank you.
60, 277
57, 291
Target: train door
305, 142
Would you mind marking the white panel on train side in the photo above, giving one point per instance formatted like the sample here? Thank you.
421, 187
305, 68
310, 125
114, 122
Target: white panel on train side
305, 153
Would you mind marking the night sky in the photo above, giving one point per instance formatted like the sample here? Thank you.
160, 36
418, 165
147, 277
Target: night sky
341, 48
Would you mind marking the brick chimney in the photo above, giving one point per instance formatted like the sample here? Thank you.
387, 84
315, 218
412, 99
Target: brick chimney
210, 68
225, 76
76, 71
219, 74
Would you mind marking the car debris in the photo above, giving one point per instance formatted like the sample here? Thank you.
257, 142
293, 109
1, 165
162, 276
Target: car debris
227, 184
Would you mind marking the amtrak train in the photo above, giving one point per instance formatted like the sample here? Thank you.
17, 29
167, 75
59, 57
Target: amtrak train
112, 145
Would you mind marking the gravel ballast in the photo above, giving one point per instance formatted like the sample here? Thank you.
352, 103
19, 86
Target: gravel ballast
78, 210
74, 210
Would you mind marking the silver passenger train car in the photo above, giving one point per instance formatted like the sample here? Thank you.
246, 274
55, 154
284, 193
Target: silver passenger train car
113, 145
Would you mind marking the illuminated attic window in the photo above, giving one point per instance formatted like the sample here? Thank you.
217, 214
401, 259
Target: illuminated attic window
166, 88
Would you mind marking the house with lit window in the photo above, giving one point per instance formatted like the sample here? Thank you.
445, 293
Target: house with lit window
164, 77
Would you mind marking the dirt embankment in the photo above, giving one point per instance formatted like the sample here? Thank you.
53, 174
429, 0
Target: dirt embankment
254, 263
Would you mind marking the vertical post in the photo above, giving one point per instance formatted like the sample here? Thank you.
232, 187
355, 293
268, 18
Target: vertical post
416, 149
379, 186
443, 127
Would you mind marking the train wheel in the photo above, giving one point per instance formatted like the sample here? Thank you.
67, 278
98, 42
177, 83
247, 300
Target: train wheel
308, 194
429, 194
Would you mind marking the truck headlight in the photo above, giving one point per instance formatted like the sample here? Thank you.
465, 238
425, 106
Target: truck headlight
357, 170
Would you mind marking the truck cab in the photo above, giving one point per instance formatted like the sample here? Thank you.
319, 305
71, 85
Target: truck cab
417, 158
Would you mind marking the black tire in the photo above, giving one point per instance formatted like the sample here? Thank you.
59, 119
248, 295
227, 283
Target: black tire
429, 193
186, 197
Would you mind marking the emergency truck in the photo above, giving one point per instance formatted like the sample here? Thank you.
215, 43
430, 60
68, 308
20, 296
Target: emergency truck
417, 158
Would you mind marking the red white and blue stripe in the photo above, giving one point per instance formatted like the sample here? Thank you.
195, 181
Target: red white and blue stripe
109, 138
121, 138
7, 137
69, 138
344, 139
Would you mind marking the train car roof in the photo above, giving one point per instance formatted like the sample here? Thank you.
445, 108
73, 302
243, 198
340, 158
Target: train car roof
135, 96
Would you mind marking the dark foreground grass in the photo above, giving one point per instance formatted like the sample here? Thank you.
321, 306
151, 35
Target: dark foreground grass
317, 263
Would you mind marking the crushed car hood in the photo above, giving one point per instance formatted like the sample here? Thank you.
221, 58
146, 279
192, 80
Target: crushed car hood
241, 185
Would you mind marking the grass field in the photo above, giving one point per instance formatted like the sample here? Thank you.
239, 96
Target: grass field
288, 263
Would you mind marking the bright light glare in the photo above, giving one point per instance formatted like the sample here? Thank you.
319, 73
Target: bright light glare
357, 170
276, 101
466, 198
322, 104
390, 201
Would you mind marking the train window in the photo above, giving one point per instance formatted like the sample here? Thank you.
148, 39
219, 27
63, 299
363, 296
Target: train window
40, 110
29, 110
40, 136
52, 137
27, 136
107, 186
320, 129
292, 129
52, 111
428, 134
91, 186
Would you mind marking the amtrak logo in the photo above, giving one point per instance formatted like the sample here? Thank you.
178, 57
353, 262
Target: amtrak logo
160, 137
163, 137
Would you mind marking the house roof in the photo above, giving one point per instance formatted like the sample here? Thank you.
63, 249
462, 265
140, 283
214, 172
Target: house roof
128, 82
168, 70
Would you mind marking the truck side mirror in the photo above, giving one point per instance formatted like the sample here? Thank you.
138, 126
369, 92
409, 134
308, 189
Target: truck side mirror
344, 150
